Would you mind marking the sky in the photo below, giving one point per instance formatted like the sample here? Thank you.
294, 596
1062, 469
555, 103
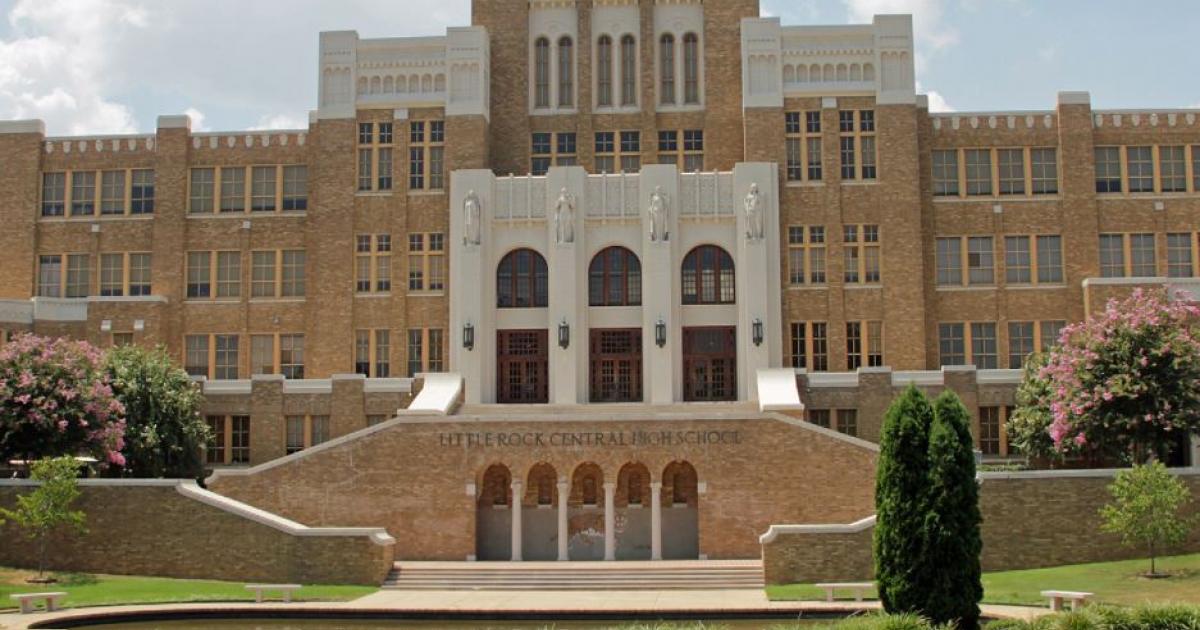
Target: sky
113, 66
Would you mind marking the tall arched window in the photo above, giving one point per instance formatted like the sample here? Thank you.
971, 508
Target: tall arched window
708, 276
628, 70
666, 69
604, 72
615, 278
566, 73
541, 78
522, 280
691, 69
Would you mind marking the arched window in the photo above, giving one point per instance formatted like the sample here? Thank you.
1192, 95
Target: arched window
521, 280
604, 76
589, 491
628, 70
691, 69
634, 493
666, 69
708, 276
566, 75
615, 278
541, 78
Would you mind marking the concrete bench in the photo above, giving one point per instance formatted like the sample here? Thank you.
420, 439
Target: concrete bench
285, 589
858, 587
28, 601
1077, 598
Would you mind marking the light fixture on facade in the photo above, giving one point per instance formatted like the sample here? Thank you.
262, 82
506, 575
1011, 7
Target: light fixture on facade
756, 331
660, 333
564, 334
468, 336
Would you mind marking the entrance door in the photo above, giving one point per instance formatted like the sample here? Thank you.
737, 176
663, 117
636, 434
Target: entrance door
616, 365
521, 366
709, 363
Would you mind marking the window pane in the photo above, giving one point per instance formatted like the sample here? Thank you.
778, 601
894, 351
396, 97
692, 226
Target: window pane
1020, 343
262, 189
262, 354
141, 193
1140, 161
112, 192
983, 345
979, 260
262, 280
1112, 256
1017, 261
1049, 259
1044, 167
979, 171
233, 189
1011, 164
951, 344
200, 196
1141, 255
945, 173
949, 261
1108, 169
1179, 255
83, 193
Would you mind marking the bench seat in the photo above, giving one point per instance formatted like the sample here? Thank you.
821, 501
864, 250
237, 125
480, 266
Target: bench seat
284, 589
28, 601
859, 589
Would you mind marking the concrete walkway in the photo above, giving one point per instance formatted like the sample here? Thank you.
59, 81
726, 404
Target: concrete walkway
712, 604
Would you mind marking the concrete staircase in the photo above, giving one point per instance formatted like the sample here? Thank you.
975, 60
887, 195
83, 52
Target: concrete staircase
577, 576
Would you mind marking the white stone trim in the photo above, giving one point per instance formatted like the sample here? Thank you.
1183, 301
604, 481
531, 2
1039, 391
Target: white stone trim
127, 298
832, 379
774, 531
308, 452
998, 377
1126, 281
439, 396
23, 126
777, 390
1075, 474
308, 386
925, 378
1074, 98
16, 312
217, 388
387, 385
180, 121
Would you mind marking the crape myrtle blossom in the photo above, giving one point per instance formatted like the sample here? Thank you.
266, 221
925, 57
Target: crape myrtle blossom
56, 399
1126, 379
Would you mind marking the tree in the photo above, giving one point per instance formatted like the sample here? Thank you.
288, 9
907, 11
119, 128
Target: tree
900, 503
1146, 509
47, 509
164, 432
1123, 384
55, 399
951, 533
1029, 427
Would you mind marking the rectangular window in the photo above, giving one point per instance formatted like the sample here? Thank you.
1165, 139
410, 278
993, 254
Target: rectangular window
373, 263
229, 274
112, 192
1179, 255
1108, 169
83, 193
262, 189
945, 173
1049, 259
1020, 343
952, 348
983, 345
861, 253
1011, 163
819, 417
847, 421
141, 191
200, 190
541, 152
295, 434
1172, 169
225, 365
989, 430
846, 151
291, 356
239, 439
864, 344
262, 274
195, 357
292, 279
305, 432
806, 254
295, 188
372, 353
803, 141
139, 274
949, 261
365, 164
416, 354
50, 275
214, 450
436, 360
383, 164
980, 260
233, 189
54, 194
684, 149
1112, 256
374, 157
262, 354
112, 275
979, 171
1018, 260
79, 275
425, 155
854, 345
1142, 261
810, 346
1044, 169
1140, 168
1048, 333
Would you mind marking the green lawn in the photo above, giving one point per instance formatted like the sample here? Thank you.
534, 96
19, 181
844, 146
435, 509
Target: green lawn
106, 590
1112, 582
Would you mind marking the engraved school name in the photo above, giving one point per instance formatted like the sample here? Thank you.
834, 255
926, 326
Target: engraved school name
588, 439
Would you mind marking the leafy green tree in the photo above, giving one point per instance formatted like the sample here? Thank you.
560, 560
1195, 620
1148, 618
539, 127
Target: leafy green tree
47, 509
900, 503
1146, 510
1029, 426
164, 431
951, 533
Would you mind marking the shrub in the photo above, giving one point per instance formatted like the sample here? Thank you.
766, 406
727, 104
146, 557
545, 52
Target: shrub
47, 508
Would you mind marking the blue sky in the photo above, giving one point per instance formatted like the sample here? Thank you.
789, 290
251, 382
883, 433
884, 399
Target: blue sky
112, 66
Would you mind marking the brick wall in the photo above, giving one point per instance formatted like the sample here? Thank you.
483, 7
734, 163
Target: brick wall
149, 528
1030, 520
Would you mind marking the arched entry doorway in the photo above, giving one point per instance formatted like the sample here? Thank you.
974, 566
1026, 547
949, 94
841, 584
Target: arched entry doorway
539, 519
493, 515
680, 512
585, 514
633, 512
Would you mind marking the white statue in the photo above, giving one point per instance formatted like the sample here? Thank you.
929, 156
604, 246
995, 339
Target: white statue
754, 214
658, 216
564, 218
471, 219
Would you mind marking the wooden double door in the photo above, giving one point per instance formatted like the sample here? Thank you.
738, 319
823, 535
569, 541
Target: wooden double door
522, 374
615, 359
710, 363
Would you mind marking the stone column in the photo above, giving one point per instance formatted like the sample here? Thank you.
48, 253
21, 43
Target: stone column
610, 521
564, 489
517, 496
656, 520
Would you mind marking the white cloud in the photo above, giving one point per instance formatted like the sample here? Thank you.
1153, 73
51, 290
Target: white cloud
933, 35
197, 117
937, 103
281, 121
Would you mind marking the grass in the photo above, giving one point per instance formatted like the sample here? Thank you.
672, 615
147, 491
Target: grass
85, 589
1118, 582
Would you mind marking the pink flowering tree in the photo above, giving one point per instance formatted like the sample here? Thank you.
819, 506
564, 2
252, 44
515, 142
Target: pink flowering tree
56, 399
1121, 385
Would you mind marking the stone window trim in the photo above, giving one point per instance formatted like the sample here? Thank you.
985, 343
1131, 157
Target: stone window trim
862, 254
1037, 257
373, 264
277, 353
215, 356
623, 61
102, 193
679, 71
864, 344
125, 274
807, 256
1148, 169
375, 157
229, 444
971, 335
426, 263
1036, 163
425, 350
553, 87
809, 346
303, 431
1136, 257
372, 352
65, 275
205, 195
804, 163
278, 274
858, 155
